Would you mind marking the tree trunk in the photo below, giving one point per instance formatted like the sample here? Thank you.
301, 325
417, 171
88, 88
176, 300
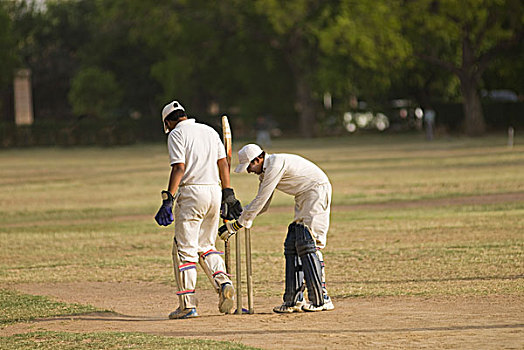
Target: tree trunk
299, 62
305, 106
469, 77
474, 124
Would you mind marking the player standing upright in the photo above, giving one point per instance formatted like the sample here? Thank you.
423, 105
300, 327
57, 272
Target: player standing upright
306, 235
198, 161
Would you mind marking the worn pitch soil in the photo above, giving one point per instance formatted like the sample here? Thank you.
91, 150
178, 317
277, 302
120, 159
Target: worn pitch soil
494, 322
481, 322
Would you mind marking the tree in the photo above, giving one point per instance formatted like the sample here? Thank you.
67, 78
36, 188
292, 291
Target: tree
465, 37
347, 46
204, 52
7, 47
507, 71
423, 83
7, 55
94, 93
48, 39
121, 32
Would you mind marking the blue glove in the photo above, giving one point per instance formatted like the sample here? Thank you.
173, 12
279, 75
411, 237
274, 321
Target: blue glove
164, 217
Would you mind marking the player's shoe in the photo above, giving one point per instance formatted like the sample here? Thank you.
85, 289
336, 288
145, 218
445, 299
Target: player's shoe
244, 311
285, 309
226, 300
183, 313
328, 305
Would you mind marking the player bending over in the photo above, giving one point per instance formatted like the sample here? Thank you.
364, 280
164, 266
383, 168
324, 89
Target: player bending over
306, 235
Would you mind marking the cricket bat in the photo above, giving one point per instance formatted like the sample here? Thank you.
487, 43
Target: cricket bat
227, 138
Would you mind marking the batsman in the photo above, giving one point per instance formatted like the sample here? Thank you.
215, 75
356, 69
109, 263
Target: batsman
198, 161
306, 235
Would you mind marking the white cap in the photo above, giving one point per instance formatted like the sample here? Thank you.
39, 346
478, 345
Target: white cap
168, 109
246, 155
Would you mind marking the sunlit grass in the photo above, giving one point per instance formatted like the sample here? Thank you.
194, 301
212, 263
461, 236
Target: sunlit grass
111, 341
18, 307
87, 214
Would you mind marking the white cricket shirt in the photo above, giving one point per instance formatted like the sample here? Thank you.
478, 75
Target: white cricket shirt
199, 147
290, 174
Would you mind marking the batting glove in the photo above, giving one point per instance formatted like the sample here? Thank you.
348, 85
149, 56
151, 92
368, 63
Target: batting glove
229, 229
164, 217
231, 207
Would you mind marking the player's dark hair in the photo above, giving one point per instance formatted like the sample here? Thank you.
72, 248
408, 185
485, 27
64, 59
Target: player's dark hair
175, 115
260, 156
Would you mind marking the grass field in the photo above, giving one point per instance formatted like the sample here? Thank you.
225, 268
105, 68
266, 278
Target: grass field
409, 218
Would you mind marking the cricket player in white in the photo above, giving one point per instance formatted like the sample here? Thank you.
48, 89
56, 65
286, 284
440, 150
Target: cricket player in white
198, 160
307, 234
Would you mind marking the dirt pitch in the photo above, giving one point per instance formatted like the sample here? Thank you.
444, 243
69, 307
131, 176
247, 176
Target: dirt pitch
494, 322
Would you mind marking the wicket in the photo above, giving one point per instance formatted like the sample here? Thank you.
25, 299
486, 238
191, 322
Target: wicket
249, 276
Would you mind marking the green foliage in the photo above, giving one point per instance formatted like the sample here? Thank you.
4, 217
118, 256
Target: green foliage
117, 47
7, 46
344, 48
240, 55
465, 38
48, 40
441, 27
95, 93
507, 72
363, 48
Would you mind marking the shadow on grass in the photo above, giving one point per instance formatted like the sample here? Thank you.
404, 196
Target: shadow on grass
423, 280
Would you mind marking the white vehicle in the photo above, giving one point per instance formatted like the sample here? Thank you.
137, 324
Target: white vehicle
365, 120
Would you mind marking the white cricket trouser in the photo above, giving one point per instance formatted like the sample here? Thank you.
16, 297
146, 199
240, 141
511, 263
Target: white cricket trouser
313, 209
197, 214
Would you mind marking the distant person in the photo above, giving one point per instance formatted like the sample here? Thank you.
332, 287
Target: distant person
198, 167
306, 235
429, 122
263, 130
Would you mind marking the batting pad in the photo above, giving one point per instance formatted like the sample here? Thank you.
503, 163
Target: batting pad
311, 266
294, 275
323, 267
188, 275
217, 267
294, 280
